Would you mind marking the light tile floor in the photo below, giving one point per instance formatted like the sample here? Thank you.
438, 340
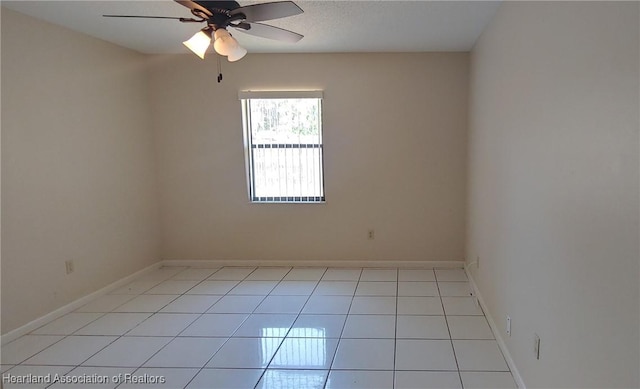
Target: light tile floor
270, 328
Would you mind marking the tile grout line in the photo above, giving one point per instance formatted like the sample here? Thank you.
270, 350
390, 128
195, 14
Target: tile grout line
455, 356
239, 325
94, 320
395, 333
292, 324
75, 366
343, 327
253, 312
124, 335
64, 336
136, 368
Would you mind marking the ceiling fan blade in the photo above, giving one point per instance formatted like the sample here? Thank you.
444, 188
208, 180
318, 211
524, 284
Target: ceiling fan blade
195, 8
155, 17
270, 32
268, 11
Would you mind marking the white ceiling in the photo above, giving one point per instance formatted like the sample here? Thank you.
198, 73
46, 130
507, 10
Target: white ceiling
328, 26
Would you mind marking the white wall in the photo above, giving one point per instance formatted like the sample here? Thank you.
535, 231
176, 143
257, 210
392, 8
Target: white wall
78, 180
0, 178
553, 206
395, 158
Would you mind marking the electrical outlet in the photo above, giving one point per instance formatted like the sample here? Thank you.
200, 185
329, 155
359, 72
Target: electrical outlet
536, 345
68, 265
371, 234
508, 325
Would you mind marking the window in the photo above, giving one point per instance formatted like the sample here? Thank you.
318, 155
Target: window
283, 144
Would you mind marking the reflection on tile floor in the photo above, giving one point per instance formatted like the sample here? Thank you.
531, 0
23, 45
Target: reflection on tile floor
268, 328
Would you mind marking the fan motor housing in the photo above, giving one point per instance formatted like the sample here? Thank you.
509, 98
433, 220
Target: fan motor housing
219, 6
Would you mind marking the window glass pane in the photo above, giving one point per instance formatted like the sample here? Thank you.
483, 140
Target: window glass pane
285, 120
285, 149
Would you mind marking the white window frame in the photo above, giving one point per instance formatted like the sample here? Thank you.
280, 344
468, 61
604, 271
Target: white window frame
245, 97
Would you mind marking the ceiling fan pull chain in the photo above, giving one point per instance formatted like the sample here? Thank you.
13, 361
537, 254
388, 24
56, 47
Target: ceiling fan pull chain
219, 69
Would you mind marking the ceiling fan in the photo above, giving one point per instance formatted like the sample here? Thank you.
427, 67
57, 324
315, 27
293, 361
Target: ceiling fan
219, 15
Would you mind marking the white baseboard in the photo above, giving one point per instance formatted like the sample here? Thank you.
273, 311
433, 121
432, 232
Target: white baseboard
316, 263
496, 332
42, 320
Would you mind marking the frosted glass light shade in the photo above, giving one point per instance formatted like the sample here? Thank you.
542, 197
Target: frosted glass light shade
199, 43
224, 43
237, 54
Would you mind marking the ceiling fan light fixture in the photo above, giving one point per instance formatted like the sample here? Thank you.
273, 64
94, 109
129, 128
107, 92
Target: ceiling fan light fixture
237, 54
199, 43
224, 43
